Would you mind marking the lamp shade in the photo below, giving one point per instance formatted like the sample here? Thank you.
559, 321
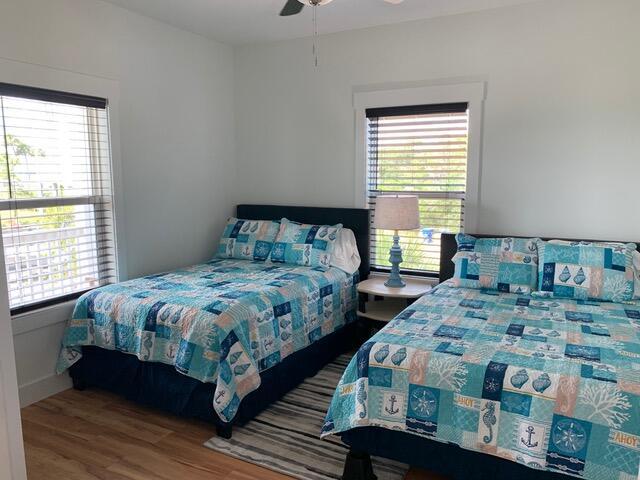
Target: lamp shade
397, 212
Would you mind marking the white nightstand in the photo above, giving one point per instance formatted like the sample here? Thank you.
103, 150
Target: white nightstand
388, 302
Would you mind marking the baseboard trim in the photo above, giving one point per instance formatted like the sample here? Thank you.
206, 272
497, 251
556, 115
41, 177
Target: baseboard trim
42, 388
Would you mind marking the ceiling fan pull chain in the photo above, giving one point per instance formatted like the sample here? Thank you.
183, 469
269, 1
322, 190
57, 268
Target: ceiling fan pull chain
315, 35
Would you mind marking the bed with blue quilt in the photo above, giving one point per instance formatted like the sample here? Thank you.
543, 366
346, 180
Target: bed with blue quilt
219, 340
480, 383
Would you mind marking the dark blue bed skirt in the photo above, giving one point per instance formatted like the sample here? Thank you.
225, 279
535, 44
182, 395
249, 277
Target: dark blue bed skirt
445, 459
160, 386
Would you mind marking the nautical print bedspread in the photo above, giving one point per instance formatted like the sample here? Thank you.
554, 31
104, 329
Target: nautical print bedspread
221, 322
553, 384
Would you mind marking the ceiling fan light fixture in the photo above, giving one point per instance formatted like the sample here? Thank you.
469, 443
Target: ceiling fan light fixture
293, 7
315, 3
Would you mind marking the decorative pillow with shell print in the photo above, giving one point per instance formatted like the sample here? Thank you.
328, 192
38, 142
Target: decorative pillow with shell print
248, 239
586, 270
305, 244
504, 264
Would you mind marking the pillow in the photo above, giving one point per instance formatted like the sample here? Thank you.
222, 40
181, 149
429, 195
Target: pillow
503, 264
636, 272
586, 270
305, 244
345, 252
248, 239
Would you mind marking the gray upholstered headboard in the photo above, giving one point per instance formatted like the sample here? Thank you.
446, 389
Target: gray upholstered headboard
449, 247
357, 219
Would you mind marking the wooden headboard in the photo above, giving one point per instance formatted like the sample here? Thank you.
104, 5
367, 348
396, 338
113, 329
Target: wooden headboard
449, 247
357, 219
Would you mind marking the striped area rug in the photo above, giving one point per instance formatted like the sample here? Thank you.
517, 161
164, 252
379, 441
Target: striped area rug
286, 436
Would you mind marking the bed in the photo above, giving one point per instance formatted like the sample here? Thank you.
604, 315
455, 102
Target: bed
477, 384
219, 341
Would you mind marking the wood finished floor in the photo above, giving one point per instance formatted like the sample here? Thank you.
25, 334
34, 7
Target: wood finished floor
96, 435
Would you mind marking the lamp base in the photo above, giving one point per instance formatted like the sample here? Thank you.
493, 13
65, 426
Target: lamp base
394, 283
395, 258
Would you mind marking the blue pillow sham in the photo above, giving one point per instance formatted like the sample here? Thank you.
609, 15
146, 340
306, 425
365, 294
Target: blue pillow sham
248, 239
503, 264
586, 270
305, 244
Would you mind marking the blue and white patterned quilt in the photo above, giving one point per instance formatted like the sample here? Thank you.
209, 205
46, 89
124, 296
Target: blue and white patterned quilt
553, 384
221, 322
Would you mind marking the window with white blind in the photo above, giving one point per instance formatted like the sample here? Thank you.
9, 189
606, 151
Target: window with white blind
419, 150
56, 208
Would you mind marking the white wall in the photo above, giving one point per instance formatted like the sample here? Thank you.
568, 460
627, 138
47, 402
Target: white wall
176, 125
560, 145
12, 465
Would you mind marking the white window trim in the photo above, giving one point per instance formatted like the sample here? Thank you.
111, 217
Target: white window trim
12, 460
39, 76
473, 93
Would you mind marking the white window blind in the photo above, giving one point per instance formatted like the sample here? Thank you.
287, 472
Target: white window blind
56, 208
419, 150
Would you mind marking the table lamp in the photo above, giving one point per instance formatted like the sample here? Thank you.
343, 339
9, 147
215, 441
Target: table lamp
396, 212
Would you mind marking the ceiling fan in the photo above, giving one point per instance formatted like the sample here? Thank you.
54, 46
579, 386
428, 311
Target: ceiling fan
293, 7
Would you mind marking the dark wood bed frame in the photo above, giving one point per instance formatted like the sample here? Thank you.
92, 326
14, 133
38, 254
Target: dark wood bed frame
358, 461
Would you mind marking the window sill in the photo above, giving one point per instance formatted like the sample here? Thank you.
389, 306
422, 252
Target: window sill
43, 317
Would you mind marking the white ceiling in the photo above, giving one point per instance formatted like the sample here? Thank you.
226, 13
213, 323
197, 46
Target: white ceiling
254, 21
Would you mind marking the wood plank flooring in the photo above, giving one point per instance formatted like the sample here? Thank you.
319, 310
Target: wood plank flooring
96, 435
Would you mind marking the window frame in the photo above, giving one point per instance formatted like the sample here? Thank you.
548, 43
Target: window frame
28, 318
96, 200
472, 93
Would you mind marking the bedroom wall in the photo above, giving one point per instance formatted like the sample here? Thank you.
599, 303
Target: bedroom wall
561, 123
176, 122
12, 465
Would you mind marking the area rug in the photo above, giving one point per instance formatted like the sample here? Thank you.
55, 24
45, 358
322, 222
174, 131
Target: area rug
285, 437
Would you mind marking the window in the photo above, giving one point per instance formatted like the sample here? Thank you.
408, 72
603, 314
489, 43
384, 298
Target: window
420, 150
56, 208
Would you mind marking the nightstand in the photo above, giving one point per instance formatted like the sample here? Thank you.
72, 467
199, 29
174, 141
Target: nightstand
381, 303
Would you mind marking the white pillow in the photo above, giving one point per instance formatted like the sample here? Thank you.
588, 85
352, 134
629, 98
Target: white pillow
345, 254
636, 274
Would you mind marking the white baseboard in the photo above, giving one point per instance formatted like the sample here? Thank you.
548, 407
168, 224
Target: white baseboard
42, 388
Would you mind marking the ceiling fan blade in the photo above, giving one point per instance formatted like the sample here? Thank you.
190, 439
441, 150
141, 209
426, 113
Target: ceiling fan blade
292, 7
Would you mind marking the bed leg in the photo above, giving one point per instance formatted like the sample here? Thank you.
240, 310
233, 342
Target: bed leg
79, 384
357, 466
224, 431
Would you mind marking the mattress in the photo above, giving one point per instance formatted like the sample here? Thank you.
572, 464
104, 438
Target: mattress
553, 384
221, 322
